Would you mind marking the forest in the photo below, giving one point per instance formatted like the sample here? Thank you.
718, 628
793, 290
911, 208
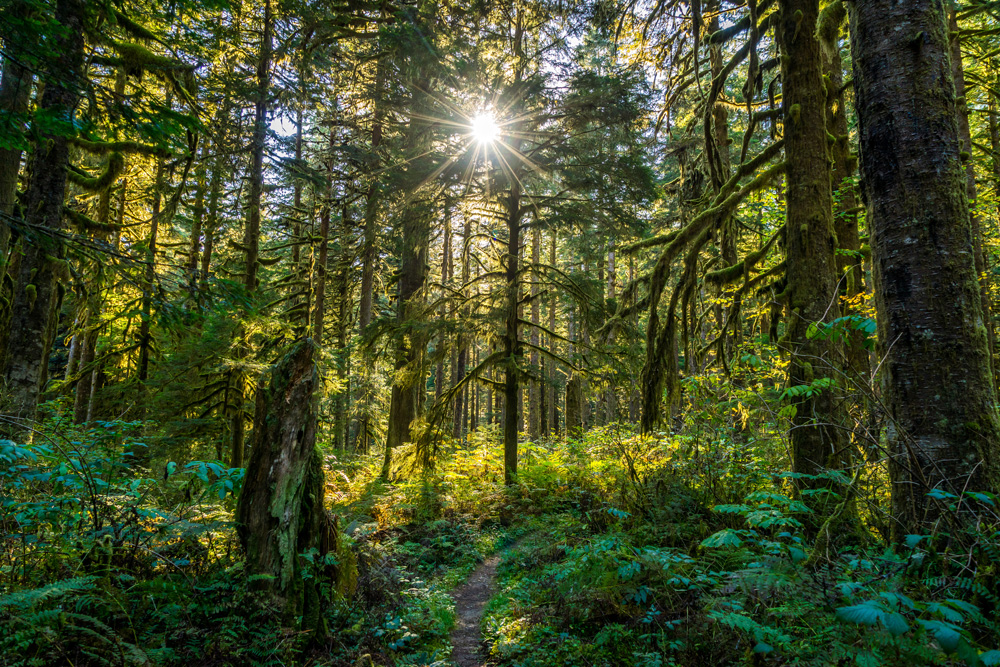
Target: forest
365, 333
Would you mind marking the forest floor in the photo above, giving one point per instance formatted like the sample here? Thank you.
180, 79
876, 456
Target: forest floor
612, 550
593, 561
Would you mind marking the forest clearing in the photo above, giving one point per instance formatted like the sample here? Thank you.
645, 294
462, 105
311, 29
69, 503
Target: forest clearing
371, 333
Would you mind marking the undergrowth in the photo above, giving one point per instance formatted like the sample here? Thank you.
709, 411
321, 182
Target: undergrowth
687, 549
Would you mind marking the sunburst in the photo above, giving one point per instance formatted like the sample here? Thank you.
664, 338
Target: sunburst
485, 128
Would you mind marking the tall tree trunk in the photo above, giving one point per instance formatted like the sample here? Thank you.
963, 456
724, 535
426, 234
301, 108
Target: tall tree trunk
15, 89
817, 439
965, 146
717, 138
463, 341
251, 230
845, 218
197, 219
344, 323
512, 343
149, 270
90, 326
322, 259
535, 389
214, 196
36, 290
442, 311
633, 396
369, 258
414, 234
943, 431
553, 306
610, 397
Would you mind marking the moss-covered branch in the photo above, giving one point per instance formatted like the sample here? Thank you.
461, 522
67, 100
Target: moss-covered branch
130, 147
741, 26
112, 169
661, 239
731, 274
87, 224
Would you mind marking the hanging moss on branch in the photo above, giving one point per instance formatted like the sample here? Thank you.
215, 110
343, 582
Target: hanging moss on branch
112, 169
133, 28
87, 224
731, 274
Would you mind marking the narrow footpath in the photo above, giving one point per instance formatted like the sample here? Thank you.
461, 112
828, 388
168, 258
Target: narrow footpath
470, 600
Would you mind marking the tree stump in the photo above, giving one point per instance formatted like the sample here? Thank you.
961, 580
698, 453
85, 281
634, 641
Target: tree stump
285, 530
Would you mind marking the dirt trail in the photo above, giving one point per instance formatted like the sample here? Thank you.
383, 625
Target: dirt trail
470, 600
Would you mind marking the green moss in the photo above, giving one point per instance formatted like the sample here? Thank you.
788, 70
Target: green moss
112, 169
137, 59
828, 26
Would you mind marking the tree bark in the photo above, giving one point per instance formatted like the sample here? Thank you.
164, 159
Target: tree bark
463, 341
251, 230
513, 350
149, 270
414, 233
36, 290
845, 218
15, 89
91, 320
553, 306
197, 219
369, 257
280, 513
965, 141
817, 438
535, 389
943, 430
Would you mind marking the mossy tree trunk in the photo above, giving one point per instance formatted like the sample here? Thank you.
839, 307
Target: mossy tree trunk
817, 439
965, 141
36, 291
251, 229
553, 306
15, 91
461, 402
850, 273
90, 325
513, 350
149, 270
369, 258
943, 431
535, 389
282, 524
414, 231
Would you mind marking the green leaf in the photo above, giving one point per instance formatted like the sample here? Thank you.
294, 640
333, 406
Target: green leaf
986, 498
895, 623
724, 538
866, 613
990, 658
946, 634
